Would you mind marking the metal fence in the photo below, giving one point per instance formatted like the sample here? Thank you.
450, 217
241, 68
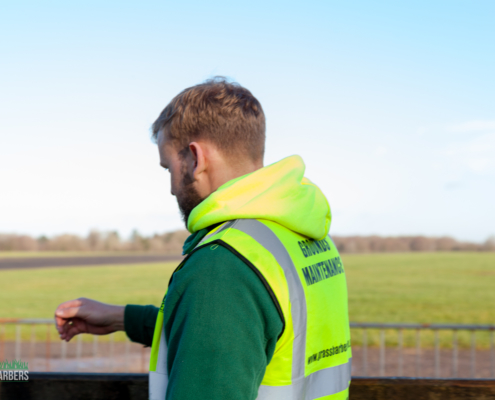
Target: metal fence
446, 358
420, 350
36, 341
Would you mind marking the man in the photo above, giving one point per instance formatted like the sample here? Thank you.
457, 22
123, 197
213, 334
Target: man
258, 308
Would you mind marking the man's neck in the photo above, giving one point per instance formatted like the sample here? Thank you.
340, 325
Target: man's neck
221, 174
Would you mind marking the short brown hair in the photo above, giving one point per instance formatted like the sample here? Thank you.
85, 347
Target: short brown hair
219, 111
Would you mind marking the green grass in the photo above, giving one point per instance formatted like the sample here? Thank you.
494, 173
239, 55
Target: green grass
36, 293
409, 287
422, 288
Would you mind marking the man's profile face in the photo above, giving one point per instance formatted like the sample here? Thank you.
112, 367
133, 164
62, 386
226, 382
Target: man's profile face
181, 179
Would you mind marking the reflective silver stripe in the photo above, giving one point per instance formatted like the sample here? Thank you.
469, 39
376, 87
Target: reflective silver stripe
158, 380
321, 383
266, 238
225, 226
157, 385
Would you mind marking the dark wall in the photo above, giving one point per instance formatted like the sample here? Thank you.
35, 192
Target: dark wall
76, 386
73, 386
421, 389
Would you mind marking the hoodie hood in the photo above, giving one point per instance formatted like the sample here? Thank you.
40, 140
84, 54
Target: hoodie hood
278, 192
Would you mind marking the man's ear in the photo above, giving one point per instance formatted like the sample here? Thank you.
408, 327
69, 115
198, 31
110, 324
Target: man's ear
199, 162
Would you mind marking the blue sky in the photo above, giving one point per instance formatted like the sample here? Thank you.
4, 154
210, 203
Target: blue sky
391, 105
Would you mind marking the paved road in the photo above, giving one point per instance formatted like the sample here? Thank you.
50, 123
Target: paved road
21, 263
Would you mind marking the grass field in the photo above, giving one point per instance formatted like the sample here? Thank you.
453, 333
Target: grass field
409, 287
422, 288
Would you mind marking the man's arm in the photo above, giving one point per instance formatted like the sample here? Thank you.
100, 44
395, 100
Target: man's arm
139, 323
221, 327
90, 316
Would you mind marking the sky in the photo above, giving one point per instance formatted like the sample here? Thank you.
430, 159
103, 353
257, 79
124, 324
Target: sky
391, 105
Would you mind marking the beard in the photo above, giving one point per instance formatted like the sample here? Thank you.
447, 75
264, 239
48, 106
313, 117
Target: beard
188, 198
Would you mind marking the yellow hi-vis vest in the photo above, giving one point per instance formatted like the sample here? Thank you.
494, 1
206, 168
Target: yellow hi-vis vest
306, 279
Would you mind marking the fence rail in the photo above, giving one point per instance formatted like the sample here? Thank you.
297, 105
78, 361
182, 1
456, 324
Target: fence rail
453, 363
110, 355
89, 354
368, 325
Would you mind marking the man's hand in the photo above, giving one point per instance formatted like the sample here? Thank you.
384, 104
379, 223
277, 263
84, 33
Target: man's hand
88, 316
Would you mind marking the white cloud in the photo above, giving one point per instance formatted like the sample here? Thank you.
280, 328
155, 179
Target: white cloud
478, 154
380, 151
473, 126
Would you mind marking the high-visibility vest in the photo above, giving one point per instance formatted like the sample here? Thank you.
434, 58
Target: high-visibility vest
306, 279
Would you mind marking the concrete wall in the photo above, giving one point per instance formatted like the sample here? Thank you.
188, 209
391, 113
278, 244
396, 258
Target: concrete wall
73, 386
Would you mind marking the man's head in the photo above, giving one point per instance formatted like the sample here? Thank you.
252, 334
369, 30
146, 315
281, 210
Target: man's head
207, 135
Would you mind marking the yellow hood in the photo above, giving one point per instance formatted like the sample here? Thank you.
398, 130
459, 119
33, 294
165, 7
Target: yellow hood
278, 192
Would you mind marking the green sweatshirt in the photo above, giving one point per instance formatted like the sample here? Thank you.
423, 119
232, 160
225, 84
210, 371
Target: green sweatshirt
222, 330
221, 324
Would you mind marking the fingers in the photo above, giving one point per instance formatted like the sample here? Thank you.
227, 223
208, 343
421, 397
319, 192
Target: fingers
68, 324
66, 310
69, 304
77, 326
67, 313
73, 328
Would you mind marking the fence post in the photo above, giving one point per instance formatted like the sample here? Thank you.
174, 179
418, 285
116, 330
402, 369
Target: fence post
78, 351
17, 342
492, 354
142, 359
418, 352
63, 351
382, 352
47, 361
365, 352
454, 355
437, 355
112, 361
2, 343
401, 345
127, 363
32, 347
473, 353
95, 348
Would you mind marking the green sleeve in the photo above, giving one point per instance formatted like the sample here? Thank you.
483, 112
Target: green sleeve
139, 323
221, 327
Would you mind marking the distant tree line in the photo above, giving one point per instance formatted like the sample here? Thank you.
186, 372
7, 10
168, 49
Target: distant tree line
172, 242
379, 244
